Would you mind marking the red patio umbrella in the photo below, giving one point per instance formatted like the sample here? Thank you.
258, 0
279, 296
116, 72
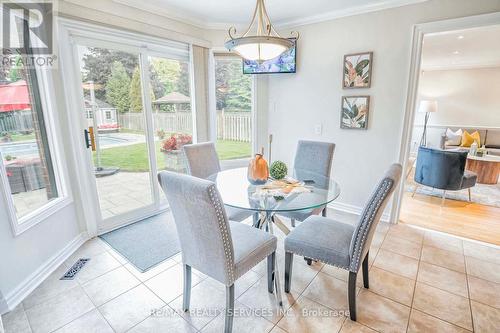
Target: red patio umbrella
14, 96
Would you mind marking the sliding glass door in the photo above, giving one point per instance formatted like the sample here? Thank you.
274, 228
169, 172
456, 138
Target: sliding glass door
137, 116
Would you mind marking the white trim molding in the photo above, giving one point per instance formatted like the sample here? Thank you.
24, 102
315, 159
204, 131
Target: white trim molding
419, 31
356, 210
16, 296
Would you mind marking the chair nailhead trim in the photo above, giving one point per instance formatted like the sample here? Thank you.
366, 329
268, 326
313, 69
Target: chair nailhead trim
226, 236
368, 218
320, 260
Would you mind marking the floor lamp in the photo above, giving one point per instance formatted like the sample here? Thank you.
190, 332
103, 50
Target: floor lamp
426, 107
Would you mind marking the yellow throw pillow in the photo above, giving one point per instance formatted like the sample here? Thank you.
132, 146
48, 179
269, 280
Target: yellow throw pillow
468, 139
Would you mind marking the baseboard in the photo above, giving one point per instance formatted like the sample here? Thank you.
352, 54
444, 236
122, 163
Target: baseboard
29, 284
356, 210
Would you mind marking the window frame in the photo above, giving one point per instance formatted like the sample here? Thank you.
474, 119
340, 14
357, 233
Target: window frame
223, 53
19, 225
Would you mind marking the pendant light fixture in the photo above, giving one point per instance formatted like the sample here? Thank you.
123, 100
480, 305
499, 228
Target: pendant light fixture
266, 44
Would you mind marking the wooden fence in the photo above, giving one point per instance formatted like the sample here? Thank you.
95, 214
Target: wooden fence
17, 121
235, 126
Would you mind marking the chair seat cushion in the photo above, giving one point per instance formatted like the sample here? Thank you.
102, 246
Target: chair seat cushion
250, 245
322, 239
469, 179
238, 215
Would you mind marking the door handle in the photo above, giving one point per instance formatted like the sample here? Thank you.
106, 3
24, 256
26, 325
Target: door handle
88, 143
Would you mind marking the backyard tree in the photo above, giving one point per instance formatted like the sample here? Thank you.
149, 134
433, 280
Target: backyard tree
135, 92
168, 73
239, 93
118, 87
97, 65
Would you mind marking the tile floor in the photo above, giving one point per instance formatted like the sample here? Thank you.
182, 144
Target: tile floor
420, 281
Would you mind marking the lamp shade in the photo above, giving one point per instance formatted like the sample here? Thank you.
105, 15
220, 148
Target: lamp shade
428, 106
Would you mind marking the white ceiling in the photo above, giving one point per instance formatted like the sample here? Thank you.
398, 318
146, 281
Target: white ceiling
471, 48
223, 13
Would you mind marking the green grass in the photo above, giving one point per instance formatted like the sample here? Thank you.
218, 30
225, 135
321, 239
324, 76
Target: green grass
23, 137
134, 158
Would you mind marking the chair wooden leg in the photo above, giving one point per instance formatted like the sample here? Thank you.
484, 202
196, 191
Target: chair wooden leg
292, 221
228, 323
366, 282
270, 272
186, 299
444, 198
414, 190
288, 270
351, 295
308, 260
470, 197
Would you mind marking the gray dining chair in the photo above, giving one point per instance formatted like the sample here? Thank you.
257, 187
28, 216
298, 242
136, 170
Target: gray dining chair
313, 162
203, 162
339, 244
221, 249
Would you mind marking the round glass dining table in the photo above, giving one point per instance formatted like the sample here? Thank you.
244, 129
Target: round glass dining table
237, 192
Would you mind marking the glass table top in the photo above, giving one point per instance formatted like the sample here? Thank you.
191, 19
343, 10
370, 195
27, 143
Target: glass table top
236, 191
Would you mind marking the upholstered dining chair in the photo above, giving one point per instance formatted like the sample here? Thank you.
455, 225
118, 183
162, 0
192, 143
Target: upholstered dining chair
339, 244
210, 243
444, 170
203, 162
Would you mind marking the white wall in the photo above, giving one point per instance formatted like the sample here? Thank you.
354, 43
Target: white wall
466, 98
297, 103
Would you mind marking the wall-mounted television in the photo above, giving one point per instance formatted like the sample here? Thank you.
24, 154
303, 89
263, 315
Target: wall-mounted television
285, 63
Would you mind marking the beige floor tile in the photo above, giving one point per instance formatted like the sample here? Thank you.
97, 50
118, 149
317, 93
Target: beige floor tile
442, 304
207, 302
117, 255
50, 287
110, 285
97, 266
402, 246
241, 285
423, 323
165, 320
378, 238
482, 252
381, 313
390, 285
336, 272
89, 249
328, 291
443, 278
406, 232
484, 291
302, 274
277, 329
130, 308
443, 242
169, 284
307, 316
16, 321
396, 263
243, 322
91, 322
59, 310
443, 258
486, 318
257, 297
483, 269
355, 327
144, 276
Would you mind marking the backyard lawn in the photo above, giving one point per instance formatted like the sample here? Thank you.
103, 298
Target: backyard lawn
134, 158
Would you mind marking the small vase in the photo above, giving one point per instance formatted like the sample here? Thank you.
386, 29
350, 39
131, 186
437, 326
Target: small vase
258, 171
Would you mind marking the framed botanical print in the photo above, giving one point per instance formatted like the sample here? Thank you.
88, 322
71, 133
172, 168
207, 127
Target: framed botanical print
354, 113
357, 70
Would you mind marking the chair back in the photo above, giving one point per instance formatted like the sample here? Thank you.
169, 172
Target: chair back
313, 161
363, 234
202, 159
202, 225
441, 169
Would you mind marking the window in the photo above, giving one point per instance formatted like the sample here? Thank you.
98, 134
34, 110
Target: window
233, 91
108, 115
25, 149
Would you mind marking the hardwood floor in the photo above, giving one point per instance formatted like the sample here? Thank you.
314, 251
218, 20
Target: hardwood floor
464, 219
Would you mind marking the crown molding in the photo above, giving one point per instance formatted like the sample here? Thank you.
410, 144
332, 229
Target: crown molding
469, 65
183, 16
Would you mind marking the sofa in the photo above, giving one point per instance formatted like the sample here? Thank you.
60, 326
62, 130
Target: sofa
489, 138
